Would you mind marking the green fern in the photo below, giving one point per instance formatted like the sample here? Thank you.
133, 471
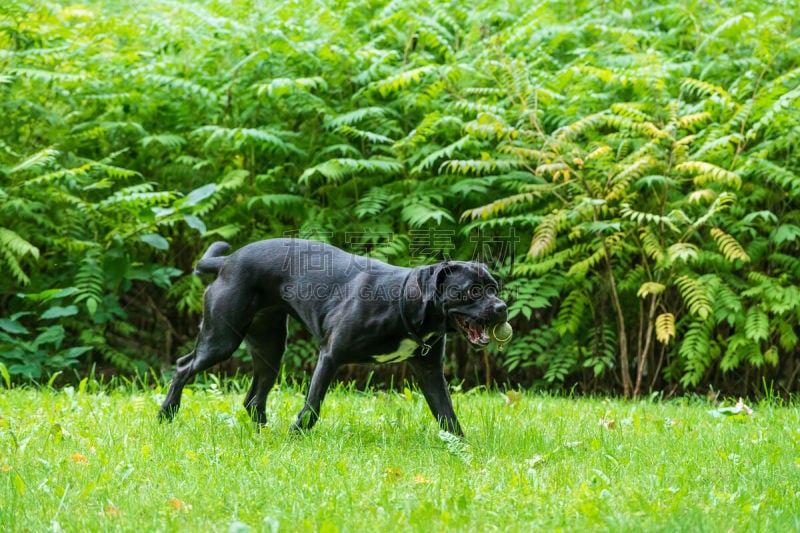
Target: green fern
571, 313
544, 239
90, 281
729, 246
697, 350
336, 170
709, 173
420, 213
756, 326
13, 249
665, 327
696, 295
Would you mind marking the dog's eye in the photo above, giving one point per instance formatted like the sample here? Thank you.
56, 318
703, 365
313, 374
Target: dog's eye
475, 292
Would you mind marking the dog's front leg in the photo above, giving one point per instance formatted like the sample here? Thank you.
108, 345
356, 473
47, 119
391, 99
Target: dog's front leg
429, 373
320, 380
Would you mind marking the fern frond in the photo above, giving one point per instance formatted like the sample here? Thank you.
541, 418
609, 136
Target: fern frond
480, 167
364, 135
665, 327
167, 140
402, 80
556, 170
621, 181
335, 170
443, 153
646, 129
702, 88
90, 281
173, 82
351, 118
787, 337
478, 108
729, 246
12, 249
695, 197
49, 76
581, 269
650, 287
37, 161
695, 295
728, 304
136, 197
694, 120
722, 146
651, 244
238, 137
580, 126
770, 171
709, 173
286, 204
783, 105
756, 325
375, 201
626, 211
499, 206
738, 349
283, 86
631, 112
722, 201
570, 314
697, 351
488, 126
422, 213
544, 238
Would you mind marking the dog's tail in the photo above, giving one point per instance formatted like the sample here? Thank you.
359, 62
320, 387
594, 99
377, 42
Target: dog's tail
211, 261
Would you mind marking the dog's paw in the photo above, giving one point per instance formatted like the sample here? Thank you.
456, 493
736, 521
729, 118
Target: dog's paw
166, 414
298, 430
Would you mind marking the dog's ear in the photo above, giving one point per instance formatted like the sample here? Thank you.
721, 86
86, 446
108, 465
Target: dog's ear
440, 273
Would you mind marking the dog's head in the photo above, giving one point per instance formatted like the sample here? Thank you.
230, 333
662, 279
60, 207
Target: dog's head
468, 295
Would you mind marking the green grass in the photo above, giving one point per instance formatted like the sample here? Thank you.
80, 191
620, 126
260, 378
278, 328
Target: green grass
76, 460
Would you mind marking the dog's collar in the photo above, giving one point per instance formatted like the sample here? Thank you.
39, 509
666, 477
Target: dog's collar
426, 348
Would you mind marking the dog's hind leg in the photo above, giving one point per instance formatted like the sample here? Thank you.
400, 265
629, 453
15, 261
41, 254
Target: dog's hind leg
226, 318
266, 339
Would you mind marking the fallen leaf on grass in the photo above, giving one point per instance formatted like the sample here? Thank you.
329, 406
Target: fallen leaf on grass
512, 397
180, 505
110, 510
392, 474
79, 458
535, 460
740, 408
419, 478
607, 423
456, 446
743, 407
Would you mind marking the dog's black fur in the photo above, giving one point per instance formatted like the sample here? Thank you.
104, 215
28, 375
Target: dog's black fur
361, 310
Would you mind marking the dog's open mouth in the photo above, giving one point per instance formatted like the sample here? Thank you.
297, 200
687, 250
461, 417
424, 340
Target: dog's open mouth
473, 331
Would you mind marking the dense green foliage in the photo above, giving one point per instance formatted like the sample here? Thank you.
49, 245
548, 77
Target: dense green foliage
629, 168
93, 458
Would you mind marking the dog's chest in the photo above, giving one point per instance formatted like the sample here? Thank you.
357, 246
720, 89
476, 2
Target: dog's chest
405, 350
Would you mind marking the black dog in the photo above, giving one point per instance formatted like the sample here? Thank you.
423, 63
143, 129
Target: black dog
361, 310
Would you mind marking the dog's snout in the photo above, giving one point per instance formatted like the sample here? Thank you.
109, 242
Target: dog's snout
501, 309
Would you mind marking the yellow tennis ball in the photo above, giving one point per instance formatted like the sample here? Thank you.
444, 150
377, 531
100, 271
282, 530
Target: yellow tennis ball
502, 332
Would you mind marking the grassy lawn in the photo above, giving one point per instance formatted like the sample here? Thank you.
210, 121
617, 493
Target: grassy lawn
94, 458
